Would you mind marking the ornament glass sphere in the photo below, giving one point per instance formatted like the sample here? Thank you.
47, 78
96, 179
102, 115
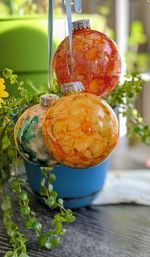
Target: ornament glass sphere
28, 133
80, 130
95, 62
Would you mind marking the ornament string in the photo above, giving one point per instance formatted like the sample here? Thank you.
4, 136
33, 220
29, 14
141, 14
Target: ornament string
77, 5
63, 4
50, 43
65, 33
69, 21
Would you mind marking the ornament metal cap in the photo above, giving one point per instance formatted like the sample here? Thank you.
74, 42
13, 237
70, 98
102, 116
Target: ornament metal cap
72, 87
48, 99
80, 24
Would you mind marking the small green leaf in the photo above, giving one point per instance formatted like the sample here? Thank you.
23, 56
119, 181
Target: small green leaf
43, 239
43, 191
15, 185
55, 242
60, 201
48, 245
23, 196
54, 194
50, 201
50, 188
52, 178
25, 210
42, 182
44, 172
5, 142
28, 223
36, 226
58, 229
21, 83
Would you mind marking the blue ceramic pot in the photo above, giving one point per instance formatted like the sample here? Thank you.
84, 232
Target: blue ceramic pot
77, 187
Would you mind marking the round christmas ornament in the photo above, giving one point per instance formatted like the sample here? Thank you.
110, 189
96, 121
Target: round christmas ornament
80, 130
28, 133
95, 60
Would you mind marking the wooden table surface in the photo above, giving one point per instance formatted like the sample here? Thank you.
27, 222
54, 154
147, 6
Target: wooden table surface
101, 231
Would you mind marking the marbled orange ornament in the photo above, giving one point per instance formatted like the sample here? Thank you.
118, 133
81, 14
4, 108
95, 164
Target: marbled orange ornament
96, 62
28, 133
80, 130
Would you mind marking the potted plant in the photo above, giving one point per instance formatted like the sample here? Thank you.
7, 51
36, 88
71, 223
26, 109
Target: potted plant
11, 177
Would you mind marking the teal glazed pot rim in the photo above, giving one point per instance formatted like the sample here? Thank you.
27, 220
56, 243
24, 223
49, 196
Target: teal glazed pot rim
75, 169
77, 187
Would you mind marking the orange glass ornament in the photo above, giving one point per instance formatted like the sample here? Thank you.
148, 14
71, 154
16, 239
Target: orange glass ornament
80, 130
96, 61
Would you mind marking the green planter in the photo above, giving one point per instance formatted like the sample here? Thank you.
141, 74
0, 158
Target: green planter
23, 48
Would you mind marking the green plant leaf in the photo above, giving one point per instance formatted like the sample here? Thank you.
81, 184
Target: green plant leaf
5, 142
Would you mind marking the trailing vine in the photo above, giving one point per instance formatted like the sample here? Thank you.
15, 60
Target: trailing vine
17, 239
9, 175
51, 239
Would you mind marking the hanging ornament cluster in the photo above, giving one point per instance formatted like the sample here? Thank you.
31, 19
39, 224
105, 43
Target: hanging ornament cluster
28, 133
80, 130
95, 60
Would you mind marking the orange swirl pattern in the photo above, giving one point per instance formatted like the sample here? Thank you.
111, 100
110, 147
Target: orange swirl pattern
80, 130
96, 62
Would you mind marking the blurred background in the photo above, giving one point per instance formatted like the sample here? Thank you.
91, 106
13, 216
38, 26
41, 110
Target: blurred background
23, 48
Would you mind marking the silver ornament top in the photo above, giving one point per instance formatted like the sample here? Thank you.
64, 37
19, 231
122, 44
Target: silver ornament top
72, 87
80, 24
48, 99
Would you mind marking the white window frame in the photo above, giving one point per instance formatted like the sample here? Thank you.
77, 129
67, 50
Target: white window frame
122, 33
